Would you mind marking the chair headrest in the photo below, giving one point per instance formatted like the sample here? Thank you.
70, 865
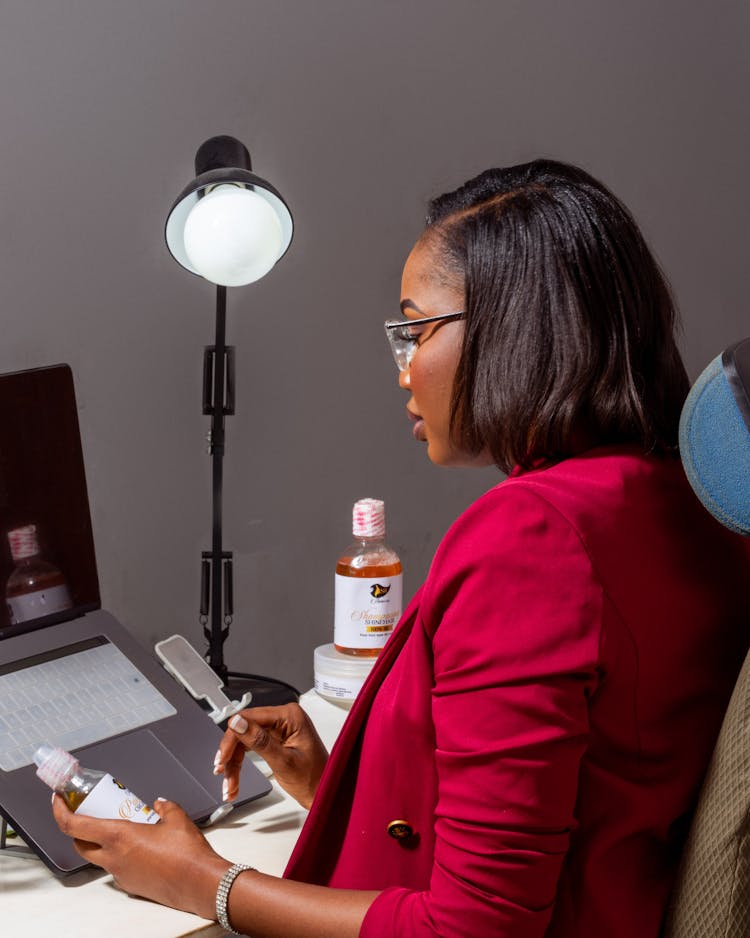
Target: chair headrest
715, 437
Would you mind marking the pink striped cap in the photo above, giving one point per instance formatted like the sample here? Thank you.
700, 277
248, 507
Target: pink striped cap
368, 518
55, 766
23, 542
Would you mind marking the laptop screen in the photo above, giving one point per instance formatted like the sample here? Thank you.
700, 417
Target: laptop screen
47, 560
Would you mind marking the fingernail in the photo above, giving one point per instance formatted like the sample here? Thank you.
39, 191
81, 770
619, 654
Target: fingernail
53, 796
225, 790
161, 799
218, 763
238, 724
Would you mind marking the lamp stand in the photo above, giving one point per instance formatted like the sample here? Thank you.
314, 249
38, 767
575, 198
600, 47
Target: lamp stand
216, 565
217, 583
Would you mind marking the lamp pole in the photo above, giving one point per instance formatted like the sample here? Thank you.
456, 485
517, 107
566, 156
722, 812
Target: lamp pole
216, 565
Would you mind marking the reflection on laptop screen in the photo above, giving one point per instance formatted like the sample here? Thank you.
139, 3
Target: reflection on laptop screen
44, 513
72, 696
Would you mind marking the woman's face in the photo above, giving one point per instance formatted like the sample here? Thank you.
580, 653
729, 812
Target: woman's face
427, 291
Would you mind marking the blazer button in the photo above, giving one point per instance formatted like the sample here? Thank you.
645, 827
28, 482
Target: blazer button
400, 830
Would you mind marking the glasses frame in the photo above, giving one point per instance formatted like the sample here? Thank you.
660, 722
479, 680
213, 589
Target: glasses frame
403, 346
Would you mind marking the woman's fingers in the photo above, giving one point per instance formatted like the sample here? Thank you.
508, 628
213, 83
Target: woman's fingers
285, 737
90, 835
266, 738
245, 735
93, 830
169, 810
254, 729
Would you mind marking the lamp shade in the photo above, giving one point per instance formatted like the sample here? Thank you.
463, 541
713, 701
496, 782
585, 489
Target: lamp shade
715, 437
228, 225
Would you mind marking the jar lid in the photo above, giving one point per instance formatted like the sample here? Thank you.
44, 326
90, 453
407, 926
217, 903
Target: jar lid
330, 661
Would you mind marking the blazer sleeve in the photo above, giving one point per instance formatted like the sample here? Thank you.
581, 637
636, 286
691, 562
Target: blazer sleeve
513, 609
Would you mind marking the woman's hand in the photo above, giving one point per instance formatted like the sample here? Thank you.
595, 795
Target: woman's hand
170, 862
287, 740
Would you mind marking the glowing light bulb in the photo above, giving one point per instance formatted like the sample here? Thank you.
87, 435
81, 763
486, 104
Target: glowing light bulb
232, 236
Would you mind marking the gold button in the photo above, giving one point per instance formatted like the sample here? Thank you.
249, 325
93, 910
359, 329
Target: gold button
400, 830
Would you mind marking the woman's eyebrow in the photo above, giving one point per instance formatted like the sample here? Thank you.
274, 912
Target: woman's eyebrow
410, 304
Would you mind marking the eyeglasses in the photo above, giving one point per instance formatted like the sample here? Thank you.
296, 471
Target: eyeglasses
403, 335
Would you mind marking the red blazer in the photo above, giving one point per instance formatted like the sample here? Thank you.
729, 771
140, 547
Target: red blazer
544, 713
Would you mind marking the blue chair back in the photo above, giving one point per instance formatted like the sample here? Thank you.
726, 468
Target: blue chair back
715, 437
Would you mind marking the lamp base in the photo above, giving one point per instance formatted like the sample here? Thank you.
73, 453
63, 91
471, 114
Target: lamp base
266, 692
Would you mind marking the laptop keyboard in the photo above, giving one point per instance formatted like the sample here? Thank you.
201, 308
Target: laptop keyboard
73, 700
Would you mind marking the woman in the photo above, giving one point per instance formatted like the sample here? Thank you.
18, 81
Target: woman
540, 721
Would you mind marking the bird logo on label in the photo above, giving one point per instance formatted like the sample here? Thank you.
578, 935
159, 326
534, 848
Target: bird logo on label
378, 590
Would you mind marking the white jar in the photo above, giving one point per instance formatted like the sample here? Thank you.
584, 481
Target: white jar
338, 677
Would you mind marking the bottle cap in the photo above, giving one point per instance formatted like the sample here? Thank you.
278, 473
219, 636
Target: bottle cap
55, 766
23, 542
368, 518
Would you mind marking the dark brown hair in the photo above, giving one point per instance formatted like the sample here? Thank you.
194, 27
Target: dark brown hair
570, 324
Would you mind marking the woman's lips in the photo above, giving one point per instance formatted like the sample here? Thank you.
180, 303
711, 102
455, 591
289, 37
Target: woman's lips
417, 426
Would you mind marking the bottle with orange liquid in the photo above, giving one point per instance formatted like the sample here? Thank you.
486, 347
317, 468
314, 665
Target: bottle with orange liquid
90, 791
369, 585
35, 587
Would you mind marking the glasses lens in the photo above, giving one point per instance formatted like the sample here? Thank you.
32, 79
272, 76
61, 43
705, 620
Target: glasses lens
402, 337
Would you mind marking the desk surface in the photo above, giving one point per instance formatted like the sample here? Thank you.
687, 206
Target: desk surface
37, 904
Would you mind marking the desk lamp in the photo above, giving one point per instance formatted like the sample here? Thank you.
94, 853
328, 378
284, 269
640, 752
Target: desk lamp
230, 227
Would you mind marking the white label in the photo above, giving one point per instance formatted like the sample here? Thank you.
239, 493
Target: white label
340, 688
366, 610
109, 799
42, 602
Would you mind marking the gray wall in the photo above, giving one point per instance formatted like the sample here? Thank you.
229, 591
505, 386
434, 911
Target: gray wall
358, 112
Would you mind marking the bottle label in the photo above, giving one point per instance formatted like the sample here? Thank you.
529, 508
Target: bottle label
110, 799
42, 602
366, 610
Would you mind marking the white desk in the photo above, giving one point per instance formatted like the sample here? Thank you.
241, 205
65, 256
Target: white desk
37, 904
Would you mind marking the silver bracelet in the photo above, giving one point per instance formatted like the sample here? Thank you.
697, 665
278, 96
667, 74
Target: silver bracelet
222, 894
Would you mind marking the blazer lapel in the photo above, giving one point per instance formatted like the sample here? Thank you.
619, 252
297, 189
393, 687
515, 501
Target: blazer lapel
317, 840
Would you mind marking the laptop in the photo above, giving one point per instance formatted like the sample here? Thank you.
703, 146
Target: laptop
70, 673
